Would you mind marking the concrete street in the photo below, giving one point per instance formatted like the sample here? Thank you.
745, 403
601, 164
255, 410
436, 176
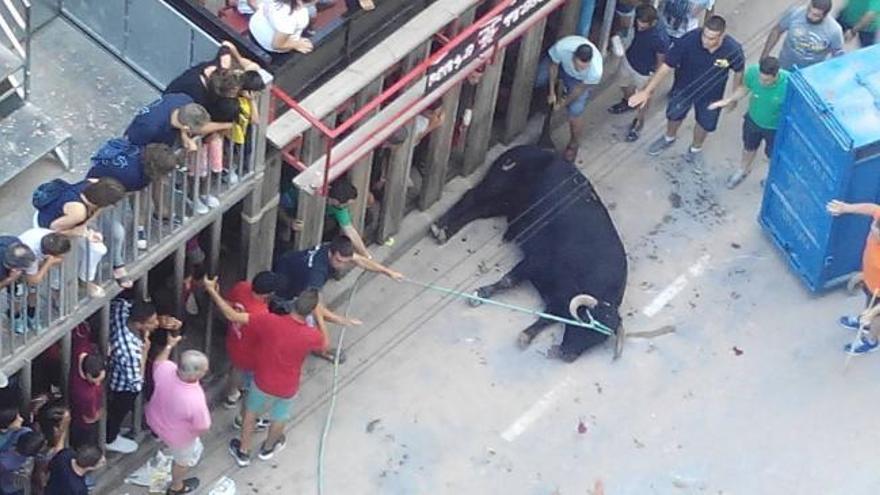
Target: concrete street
747, 396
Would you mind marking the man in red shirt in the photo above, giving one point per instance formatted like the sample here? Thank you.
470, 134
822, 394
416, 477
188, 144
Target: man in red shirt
252, 298
282, 339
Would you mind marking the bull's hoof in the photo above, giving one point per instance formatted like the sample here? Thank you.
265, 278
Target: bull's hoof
556, 352
525, 339
473, 302
439, 233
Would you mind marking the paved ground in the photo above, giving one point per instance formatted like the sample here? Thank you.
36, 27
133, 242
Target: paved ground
748, 396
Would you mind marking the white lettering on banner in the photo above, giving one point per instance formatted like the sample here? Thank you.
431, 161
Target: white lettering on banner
480, 43
488, 34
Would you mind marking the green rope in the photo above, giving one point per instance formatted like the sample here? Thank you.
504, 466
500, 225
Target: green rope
592, 323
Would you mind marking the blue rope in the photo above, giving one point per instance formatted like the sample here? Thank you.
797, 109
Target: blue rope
591, 324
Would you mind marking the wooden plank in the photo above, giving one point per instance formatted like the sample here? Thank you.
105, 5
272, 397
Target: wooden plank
440, 141
367, 68
571, 14
360, 173
394, 203
520, 99
482, 122
311, 207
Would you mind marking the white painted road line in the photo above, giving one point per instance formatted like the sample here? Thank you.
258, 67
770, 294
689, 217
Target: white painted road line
677, 285
549, 399
537, 410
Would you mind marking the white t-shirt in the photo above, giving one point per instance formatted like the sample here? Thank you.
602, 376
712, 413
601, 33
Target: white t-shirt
275, 17
32, 239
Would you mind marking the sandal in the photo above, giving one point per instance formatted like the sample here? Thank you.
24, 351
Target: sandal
120, 275
189, 486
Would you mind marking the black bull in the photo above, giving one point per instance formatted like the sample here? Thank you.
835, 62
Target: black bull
569, 242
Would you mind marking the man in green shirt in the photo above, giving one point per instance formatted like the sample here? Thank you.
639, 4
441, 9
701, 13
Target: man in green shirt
341, 196
862, 18
766, 83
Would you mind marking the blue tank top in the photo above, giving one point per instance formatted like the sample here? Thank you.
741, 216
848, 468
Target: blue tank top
55, 209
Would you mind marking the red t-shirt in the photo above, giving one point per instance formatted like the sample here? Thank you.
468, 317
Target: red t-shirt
282, 344
238, 341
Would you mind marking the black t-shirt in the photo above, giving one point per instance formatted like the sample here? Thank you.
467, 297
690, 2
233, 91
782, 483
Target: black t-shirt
190, 83
63, 480
699, 74
308, 269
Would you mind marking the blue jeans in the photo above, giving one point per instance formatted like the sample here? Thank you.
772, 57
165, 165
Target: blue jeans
575, 107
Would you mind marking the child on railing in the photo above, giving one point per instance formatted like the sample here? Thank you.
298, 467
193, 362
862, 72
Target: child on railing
251, 85
67, 209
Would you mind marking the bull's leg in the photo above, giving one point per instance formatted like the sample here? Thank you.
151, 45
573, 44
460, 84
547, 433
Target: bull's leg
470, 207
529, 333
509, 280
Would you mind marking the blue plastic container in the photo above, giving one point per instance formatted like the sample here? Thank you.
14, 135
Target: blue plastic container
827, 147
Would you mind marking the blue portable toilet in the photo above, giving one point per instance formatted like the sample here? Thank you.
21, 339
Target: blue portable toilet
827, 147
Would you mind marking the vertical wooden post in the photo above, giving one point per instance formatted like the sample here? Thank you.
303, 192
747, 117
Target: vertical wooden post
480, 131
25, 382
260, 207
311, 207
104, 345
568, 21
521, 90
394, 204
360, 173
213, 266
66, 342
179, 274
440, 141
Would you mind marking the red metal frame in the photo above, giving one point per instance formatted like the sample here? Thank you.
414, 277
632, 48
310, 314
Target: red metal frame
332, 134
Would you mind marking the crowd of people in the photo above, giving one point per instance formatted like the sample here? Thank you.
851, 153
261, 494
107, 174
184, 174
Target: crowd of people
277, 319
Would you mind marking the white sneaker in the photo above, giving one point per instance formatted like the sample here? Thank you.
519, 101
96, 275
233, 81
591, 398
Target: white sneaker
199, 208
210, 201
95, 291
232, 177
141, 238
122, 445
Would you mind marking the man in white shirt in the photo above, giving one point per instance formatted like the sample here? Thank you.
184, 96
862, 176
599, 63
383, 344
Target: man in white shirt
577, 64
49, 249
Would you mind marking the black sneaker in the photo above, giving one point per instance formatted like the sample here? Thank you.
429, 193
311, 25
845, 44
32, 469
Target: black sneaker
241, 458
189, 486
262, 423
620, 107
633, 134
266, 454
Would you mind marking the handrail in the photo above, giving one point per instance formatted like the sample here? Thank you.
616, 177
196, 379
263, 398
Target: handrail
162, 211
417, 71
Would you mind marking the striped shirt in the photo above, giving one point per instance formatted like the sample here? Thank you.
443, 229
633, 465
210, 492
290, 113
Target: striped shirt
126, 348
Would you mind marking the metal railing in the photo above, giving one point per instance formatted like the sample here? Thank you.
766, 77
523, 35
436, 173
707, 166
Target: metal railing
15, 25
164, 212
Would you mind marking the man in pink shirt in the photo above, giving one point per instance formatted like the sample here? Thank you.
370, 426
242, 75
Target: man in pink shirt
178, 411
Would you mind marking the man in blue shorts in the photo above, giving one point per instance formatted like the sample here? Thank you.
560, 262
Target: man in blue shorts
577, 64
701, 61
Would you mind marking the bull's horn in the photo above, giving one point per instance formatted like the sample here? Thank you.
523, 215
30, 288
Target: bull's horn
579, 301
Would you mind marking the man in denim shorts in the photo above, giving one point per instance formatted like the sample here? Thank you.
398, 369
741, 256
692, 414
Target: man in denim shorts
577, 64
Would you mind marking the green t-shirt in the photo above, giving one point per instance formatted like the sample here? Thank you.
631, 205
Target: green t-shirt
765, 102
341, 214
855, 9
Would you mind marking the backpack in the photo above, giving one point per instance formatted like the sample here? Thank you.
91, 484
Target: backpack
47, 192
116, 153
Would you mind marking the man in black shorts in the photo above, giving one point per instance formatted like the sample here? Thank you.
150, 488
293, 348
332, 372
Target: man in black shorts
701, 61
